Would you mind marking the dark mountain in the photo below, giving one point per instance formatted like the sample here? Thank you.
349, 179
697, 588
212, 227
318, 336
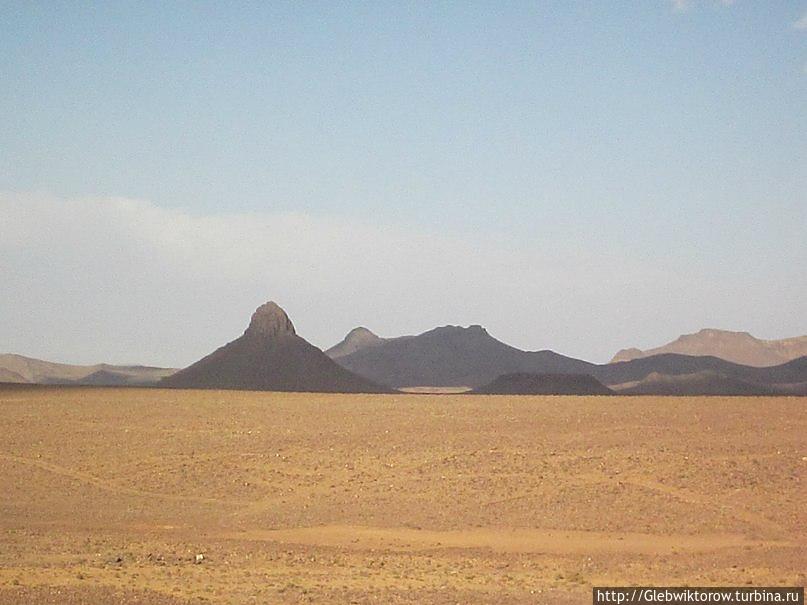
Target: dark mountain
455, 356
452, 356
270, 356
522, 383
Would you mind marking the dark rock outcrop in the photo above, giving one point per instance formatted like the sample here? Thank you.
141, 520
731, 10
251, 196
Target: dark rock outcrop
270, 356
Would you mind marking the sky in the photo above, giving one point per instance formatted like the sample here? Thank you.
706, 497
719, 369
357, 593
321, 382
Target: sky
576, 176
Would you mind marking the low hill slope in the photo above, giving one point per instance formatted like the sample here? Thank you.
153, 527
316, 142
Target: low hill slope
10, 377
700, 383
670, 364
739, 347
39, 371
522, 383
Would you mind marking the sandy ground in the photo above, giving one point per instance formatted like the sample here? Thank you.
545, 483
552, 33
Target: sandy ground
109, 495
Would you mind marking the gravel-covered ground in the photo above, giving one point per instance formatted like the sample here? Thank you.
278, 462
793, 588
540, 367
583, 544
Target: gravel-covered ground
146, 496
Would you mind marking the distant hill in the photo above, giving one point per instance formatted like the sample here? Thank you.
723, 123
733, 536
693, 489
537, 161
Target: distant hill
357, 339
700, 383
37, 371
739, 347
453, 356
270, 356
671, 364
522, 383
9, 376
104, 378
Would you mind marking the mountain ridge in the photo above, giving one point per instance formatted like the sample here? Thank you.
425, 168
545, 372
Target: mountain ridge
39, 371
452, 356
447, 356
706, 382
738, 347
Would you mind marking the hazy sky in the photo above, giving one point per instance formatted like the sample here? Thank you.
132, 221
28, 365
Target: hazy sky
580, 176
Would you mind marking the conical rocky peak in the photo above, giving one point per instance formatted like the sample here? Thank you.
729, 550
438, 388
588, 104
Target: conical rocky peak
269, 320
361, 333
357, 339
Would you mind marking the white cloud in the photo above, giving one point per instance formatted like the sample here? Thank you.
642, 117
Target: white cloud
121, 280
125, 280
684, 5
801, 23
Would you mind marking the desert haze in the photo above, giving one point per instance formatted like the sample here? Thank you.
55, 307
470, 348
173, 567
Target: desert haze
153, 496
271, 356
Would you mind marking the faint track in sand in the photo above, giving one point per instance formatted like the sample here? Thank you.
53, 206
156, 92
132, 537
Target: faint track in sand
691, 497
679, 493
112, 487
524, 540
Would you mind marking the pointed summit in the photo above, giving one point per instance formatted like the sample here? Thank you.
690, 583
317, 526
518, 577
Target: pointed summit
270, 357
360, 332
357, 339
271, 321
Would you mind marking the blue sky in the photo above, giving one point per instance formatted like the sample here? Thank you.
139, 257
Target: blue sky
638, 167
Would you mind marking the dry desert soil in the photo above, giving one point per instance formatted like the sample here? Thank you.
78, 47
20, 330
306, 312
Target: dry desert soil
146, 496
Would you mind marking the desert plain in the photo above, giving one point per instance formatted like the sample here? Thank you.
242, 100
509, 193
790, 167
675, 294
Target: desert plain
154, 496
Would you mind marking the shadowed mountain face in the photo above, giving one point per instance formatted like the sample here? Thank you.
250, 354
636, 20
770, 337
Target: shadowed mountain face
269, 356
453, 356
676, 365
16, 368
739, 347
700, 383
544, 384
